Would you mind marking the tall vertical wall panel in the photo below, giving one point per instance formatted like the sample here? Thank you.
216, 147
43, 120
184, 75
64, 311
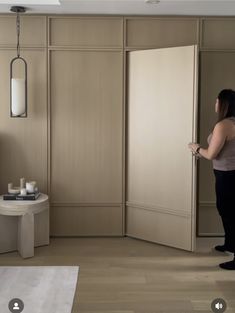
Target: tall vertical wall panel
86, 127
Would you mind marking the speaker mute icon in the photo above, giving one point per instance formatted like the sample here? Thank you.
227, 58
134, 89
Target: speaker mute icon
218, 305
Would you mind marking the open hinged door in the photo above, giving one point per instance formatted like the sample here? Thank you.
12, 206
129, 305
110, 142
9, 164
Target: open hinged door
161, 172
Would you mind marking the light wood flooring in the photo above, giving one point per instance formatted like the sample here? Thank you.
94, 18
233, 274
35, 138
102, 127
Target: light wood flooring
125, 275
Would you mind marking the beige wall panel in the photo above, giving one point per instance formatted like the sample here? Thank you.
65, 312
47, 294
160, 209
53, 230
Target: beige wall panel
32, 31
86, 221
86, 126
209, 223
163, 32
23, 141
218, 33
104, 32
162, 228
217, 72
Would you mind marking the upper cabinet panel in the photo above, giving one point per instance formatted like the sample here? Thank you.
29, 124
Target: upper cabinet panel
86, 32
33, 31
161, 32
218, 33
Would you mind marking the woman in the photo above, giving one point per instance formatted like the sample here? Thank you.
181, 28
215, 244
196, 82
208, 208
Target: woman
221, 151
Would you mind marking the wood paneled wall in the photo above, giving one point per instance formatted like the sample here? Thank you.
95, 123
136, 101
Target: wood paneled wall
73, 142
33, 31
86, 32
156, 32
23, 142
86, 100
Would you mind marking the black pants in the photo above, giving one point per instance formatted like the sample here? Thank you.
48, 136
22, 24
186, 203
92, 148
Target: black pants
225, 202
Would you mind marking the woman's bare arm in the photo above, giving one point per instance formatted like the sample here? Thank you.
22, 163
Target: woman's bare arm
216, 144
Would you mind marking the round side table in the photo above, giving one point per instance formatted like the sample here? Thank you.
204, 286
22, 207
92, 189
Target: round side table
27, 212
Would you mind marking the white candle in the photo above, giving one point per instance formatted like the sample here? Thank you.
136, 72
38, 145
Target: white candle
18, 96
10, 186
22, 182
30, 186
23, 191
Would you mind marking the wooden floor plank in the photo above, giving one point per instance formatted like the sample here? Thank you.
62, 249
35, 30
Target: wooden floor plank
125, 275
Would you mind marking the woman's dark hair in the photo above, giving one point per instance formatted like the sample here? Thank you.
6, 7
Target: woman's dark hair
226, 108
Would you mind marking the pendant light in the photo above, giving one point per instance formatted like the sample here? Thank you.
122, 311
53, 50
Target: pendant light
18, 85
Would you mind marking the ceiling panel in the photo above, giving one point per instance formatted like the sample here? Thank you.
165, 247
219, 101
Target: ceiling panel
127, 7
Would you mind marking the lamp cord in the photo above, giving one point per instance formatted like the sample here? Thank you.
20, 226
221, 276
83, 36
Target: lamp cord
18, 33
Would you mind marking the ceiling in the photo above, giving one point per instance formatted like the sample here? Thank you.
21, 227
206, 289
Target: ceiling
124, 7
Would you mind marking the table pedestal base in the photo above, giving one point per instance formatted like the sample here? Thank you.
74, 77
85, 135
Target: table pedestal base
23, 233
26, 235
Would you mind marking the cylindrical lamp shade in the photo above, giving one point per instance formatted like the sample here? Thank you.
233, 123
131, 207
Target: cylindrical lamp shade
18, 106
18, 91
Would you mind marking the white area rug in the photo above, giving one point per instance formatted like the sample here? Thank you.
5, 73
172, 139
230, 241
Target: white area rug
43, 289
